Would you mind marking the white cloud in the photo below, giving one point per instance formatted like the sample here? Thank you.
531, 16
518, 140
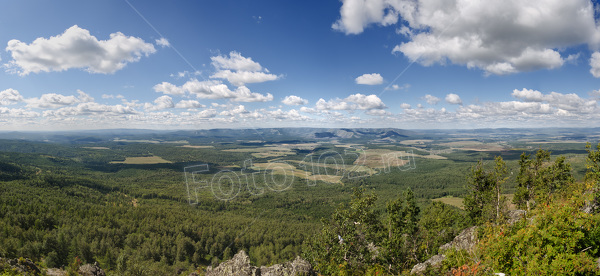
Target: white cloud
432, 100
498, 37
189, 104
405, 106
370, 79
163, 42
235, 61
239, 70
308, 110
357, 14
243, 94
111, 96
162, 102
453, 99
169, 89
212, 89
294, 100
240, 109
207, 113
90, 108
398, 87
352, 102
377, 112
595, 64
17, 113
53, 100
569, 102
76, 48
240, 78
10, 96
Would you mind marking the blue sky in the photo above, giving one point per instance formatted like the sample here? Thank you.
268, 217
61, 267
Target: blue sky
245, 64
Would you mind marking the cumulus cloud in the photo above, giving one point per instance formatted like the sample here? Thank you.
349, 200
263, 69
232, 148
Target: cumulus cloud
568, 102
239, 70
397, 87
370, 79
294, 100
352, 102
189, 104
162, 102
212, 89
91, 108
169, 89
453, 99
76, 48
405, 106
207, 113
53, 100
111, 96
235, 61
498, 37
378, 112
595, 64
240, 78
432, 100
10, 96
163, 42
357, 14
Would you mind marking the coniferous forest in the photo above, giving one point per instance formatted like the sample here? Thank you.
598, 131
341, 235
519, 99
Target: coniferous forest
114, 203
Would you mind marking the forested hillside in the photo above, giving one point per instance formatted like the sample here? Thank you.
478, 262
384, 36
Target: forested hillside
127, 205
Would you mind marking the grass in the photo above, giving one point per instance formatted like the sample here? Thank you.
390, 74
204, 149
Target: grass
453, 201
142, 160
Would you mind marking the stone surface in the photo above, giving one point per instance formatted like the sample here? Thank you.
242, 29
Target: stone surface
433, 261
464, 241
90, 270
515, 215
240, 265
296, 267
21, 266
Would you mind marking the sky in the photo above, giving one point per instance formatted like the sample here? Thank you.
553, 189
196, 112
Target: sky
187, 64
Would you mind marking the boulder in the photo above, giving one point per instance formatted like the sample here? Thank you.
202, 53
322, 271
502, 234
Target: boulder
464, 241
240, 265
22, 266
90, 270
296, 267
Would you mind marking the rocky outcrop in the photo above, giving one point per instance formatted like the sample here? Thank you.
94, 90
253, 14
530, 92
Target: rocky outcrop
91, 270
464, 241
21, 266
240, 265
515, 215
296, 267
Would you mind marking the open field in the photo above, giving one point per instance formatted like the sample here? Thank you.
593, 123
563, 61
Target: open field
98, 148
450, 200
282, 168
197, 147
142, 160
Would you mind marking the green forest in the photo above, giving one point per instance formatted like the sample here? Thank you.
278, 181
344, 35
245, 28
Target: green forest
66, 204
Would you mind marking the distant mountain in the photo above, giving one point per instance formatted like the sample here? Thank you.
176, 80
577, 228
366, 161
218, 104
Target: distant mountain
290, 135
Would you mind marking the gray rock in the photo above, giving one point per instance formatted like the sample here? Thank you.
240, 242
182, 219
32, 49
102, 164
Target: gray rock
515, 215
240, 265
296, 267
433, 261
464, 241
91, 270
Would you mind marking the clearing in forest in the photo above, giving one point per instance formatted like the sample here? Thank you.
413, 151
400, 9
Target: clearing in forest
142, 160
